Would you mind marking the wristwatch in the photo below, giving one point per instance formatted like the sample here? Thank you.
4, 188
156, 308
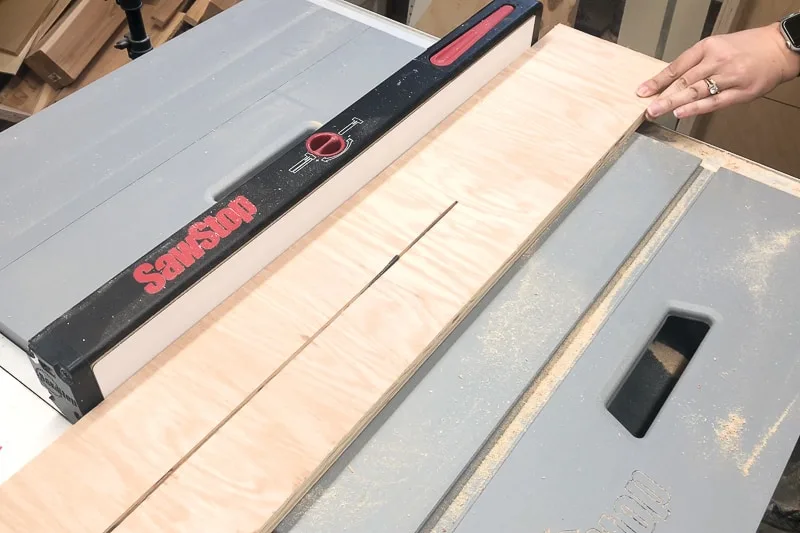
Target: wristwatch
790, 27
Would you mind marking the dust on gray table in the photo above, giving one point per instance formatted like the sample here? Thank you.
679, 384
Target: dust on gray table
98, 179
399, 469
719, 444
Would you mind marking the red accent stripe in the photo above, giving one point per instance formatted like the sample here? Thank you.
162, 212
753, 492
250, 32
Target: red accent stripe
450, 53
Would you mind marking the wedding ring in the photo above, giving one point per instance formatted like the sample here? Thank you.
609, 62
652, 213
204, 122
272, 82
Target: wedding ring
713, 88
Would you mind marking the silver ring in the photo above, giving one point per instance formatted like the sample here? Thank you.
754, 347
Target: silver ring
713, 88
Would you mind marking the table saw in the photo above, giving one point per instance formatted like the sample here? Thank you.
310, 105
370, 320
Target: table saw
634, 371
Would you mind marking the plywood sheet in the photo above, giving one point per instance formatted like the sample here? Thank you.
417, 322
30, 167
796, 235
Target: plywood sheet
225, 429
197, 12
109, 59
506, 170
19, 20
122, 448
61, 55
164, 11
55, 13
11, 63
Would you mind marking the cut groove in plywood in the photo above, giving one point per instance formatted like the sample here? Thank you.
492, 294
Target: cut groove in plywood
161, 414
532, 158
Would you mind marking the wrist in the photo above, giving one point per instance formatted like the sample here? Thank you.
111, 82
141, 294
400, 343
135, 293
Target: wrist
790, 58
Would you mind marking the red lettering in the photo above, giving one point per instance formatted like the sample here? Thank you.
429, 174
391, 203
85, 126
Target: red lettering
153, 281
201, 236
214, 225
229, 219
169, 267
187, 251
244, 208
206, 238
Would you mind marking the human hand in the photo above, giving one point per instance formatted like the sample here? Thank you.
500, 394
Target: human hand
744, 65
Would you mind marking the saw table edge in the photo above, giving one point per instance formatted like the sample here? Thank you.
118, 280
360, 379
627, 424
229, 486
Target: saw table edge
93, 348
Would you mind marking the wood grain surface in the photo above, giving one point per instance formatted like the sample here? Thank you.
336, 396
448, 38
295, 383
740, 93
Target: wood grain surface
62, 54
110, 59
58, 9
228, 427
19, 20
165, 11
533, 157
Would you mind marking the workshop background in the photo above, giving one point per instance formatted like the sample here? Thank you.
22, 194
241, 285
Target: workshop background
50, 49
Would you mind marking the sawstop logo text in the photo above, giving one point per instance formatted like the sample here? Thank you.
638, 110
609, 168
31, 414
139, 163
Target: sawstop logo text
202, 236
643, 505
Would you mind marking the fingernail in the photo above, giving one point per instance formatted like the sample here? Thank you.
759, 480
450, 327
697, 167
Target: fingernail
655, 109
678, 113
643, 90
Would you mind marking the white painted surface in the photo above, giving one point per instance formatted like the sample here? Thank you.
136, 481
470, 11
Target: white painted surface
14, 361
392, 27
128, 357
27, 425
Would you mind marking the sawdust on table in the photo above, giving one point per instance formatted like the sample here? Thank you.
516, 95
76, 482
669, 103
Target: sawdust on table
508, 328
671, 359
757, 262
559, 366
729, 434
730, 431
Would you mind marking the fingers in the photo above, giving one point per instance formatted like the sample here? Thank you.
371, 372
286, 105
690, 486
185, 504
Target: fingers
697, 91
695, 74
712, 103
690, 58
667, 104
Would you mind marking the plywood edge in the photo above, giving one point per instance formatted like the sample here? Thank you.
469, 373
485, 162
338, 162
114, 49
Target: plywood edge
55, 13
397, 299
144, 463
155, 378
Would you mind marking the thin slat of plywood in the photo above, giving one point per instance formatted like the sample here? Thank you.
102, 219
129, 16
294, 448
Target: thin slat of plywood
197, 12
165, 11
10, 63
510, 168
127, 444
55, 13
